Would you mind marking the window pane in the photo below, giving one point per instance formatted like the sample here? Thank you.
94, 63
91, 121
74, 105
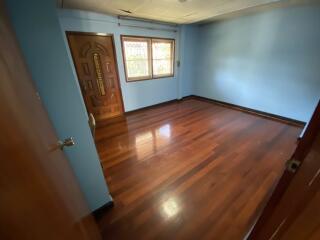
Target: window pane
137, 68
136, 52
162, 53
162, 67
161, 50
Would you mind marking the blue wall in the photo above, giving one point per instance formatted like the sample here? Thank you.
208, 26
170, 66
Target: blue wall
38, 31
188, 59
268, 61
135, 94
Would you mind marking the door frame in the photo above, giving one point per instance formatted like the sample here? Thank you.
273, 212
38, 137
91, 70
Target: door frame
115, 59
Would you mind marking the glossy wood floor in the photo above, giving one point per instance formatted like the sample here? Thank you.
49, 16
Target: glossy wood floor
190, 170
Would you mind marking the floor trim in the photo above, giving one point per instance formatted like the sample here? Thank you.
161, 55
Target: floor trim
153, 106
290, 121
275, 117
101, 210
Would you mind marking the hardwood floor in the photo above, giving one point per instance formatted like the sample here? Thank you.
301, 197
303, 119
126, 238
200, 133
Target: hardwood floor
190, 170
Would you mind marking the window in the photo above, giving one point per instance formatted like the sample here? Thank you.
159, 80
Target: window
147, 58
162, 57
137, 56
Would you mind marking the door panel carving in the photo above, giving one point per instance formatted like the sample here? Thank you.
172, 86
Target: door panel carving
95, 63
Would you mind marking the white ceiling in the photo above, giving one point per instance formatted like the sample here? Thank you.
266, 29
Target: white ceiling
175, 11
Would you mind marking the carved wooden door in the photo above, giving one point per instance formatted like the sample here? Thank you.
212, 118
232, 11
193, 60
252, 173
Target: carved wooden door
95, 62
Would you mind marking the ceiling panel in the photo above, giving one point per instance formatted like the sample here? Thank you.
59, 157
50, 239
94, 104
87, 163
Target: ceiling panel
177, 11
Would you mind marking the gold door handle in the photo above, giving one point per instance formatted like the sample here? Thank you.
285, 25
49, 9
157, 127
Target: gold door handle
92, 124
68, 142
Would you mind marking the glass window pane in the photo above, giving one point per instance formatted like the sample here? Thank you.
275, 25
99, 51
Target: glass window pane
137, 68
136, 53
161, 50
162, 67
136, 50
162, 54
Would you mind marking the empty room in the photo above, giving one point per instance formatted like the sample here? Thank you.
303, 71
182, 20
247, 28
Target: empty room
168, 119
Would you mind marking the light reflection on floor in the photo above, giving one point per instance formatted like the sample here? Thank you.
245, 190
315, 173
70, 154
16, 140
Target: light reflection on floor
149, 142
164, 131
170, 208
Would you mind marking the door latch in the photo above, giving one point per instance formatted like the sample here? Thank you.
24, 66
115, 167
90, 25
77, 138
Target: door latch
293, 165
66, 143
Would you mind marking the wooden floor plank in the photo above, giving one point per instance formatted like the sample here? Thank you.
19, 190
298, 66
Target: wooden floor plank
190, 169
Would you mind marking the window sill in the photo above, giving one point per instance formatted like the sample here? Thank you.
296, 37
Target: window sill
148, 79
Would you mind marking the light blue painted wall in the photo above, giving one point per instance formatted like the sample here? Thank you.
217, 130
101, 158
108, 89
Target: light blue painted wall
188, 59
38, 31
268, 61
135, 94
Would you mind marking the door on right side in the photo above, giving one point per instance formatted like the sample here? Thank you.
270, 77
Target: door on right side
293, 211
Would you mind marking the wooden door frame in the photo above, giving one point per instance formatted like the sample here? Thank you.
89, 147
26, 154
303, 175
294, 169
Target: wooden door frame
304, 145
115, 59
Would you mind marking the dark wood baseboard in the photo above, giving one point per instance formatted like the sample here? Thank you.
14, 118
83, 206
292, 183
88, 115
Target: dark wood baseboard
100, 211
286, 120
157, 105
290, 121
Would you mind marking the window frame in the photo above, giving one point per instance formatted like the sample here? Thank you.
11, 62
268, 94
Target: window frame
150, 55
